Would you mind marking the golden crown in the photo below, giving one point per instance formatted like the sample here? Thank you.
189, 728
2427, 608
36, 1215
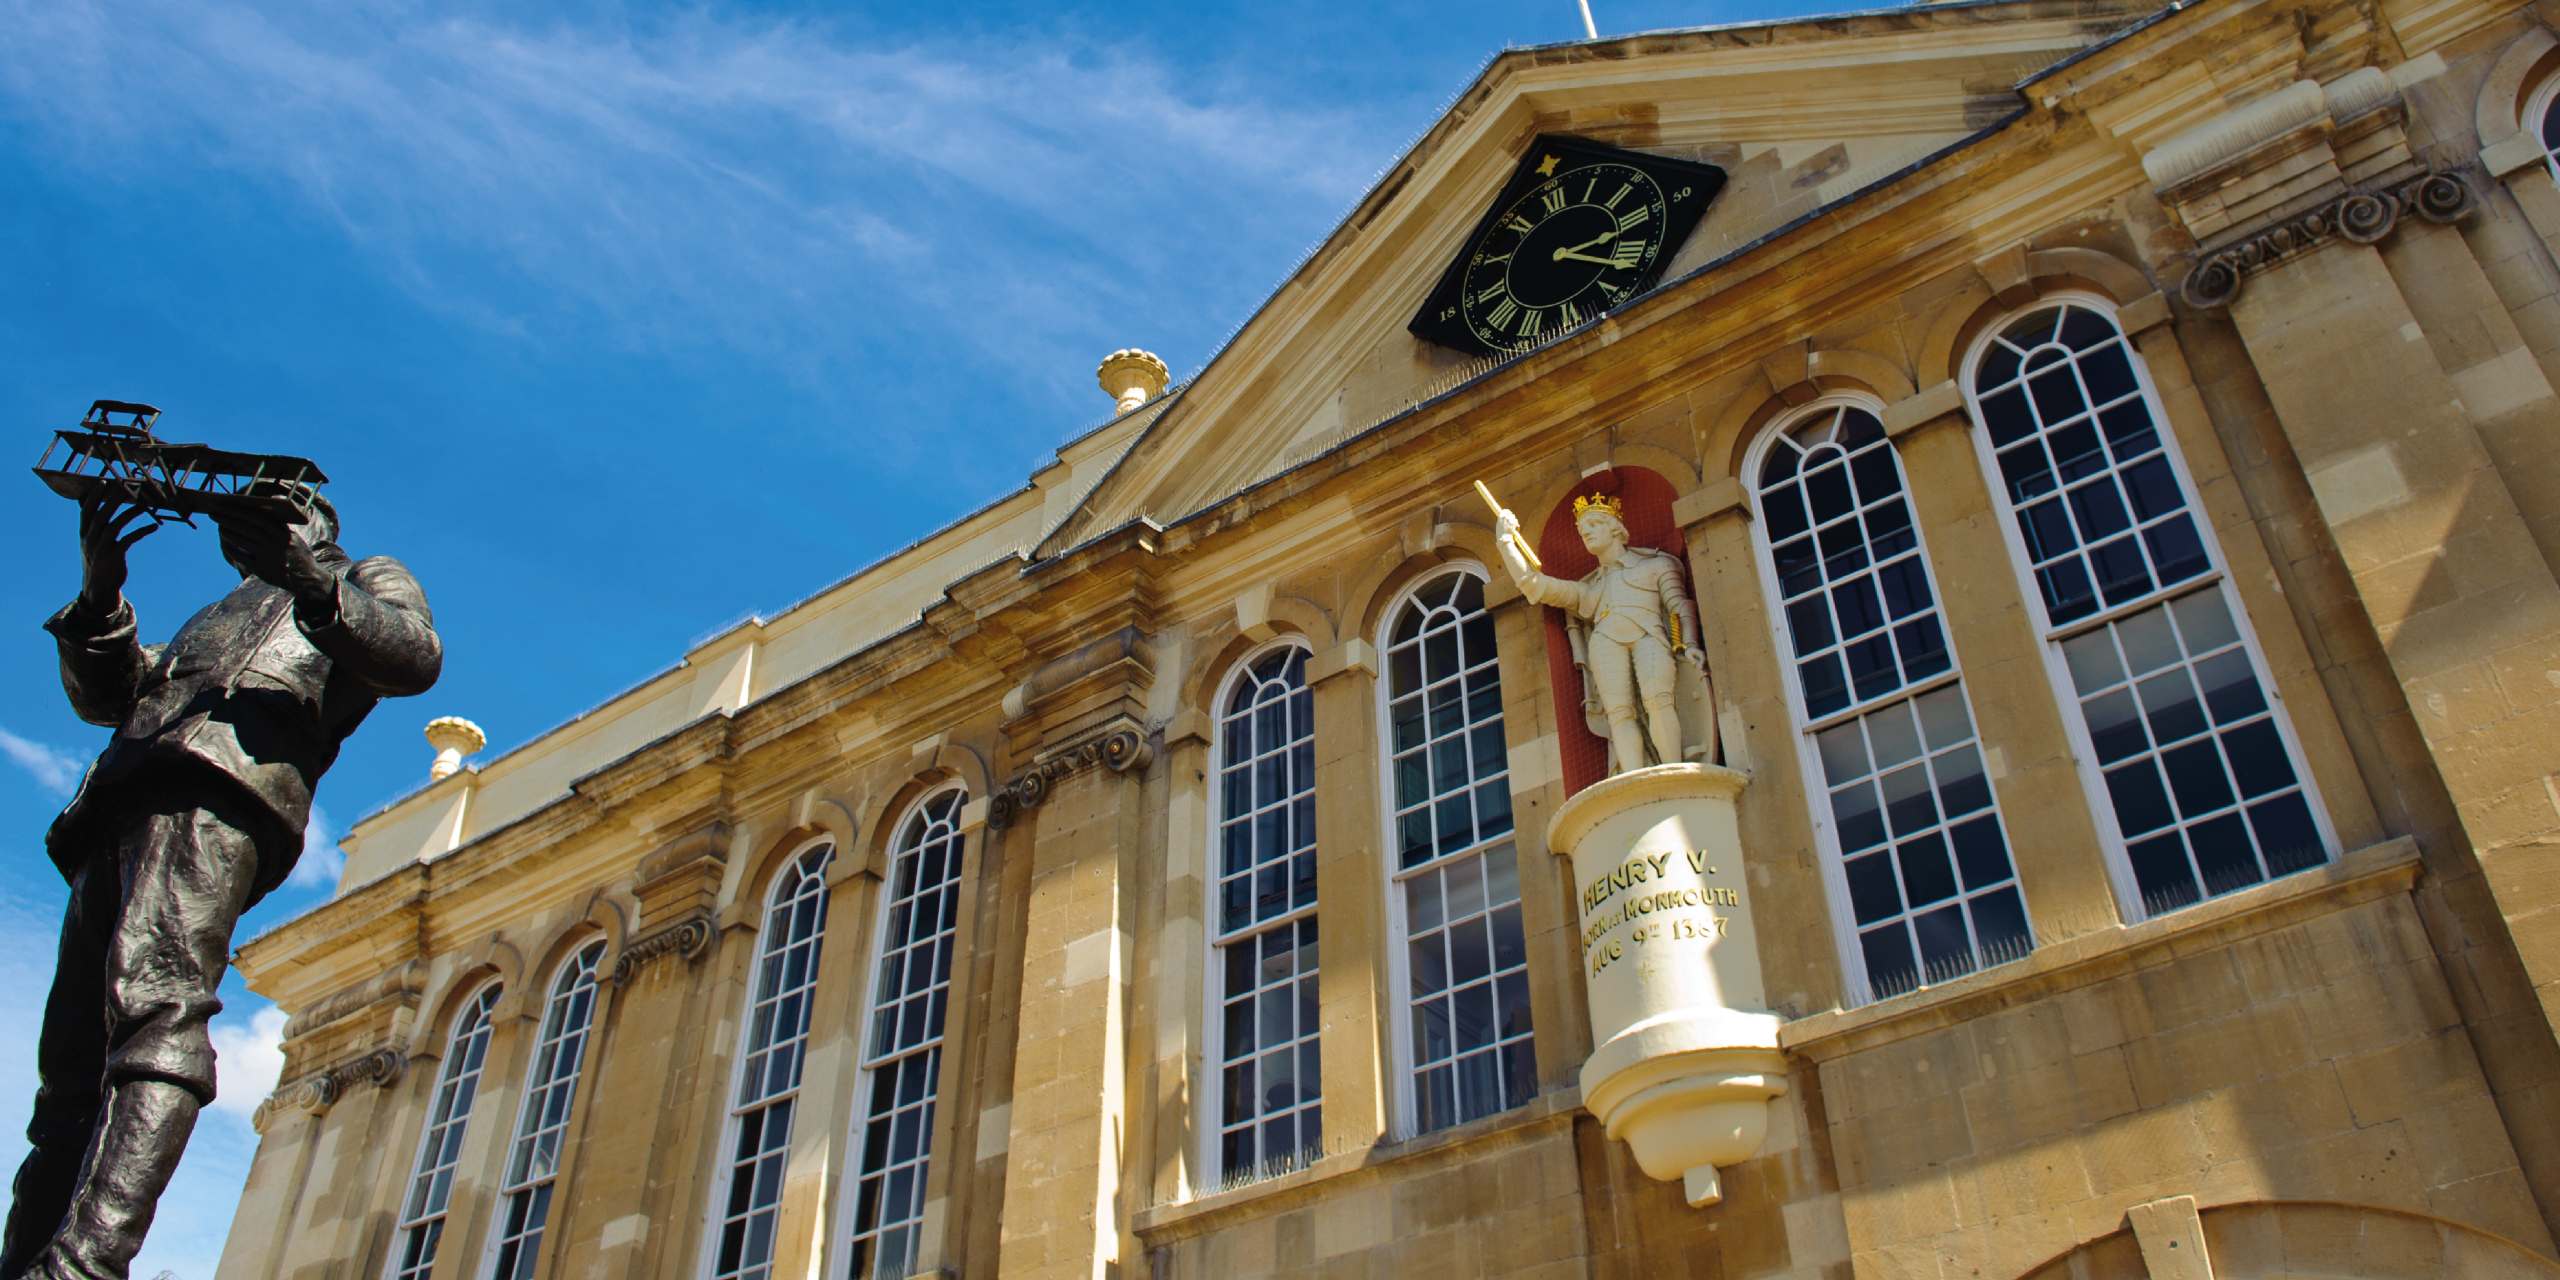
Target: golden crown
1598, 502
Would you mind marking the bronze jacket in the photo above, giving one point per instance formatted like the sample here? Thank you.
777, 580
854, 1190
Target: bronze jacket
246, 688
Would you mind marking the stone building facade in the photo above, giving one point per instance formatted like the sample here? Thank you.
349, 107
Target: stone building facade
2115, 453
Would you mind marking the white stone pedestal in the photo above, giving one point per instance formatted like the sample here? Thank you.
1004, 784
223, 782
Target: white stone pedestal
1688, 1059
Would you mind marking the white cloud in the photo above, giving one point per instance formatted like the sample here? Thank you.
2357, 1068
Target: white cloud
777, 183
248, 1061
321, 861
53, 768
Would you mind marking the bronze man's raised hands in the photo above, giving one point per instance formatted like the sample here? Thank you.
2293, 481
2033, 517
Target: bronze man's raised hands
103, 543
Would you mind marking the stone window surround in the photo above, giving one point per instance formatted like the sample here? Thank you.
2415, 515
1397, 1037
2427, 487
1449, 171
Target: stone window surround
1844, 925
2217, 576
1210, 1063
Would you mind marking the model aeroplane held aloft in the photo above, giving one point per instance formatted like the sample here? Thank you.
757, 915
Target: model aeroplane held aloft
173, 482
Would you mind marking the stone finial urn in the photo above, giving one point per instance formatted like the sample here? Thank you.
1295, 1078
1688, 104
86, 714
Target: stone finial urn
1133, 377
1687, 1059
453, 738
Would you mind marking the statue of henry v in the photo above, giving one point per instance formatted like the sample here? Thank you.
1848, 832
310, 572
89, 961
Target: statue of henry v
1630, 621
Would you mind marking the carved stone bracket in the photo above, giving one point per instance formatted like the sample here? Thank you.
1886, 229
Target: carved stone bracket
318, 1092
1119, 751
2363, 217
688, 938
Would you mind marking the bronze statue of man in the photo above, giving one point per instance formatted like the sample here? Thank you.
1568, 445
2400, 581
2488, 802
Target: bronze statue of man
192, 814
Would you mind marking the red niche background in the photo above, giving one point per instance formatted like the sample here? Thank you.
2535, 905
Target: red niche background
1645, 500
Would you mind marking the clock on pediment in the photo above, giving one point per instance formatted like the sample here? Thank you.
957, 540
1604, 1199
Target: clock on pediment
1580, 228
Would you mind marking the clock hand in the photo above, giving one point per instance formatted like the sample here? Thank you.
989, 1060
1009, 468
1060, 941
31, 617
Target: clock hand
1575, 252
1568, 255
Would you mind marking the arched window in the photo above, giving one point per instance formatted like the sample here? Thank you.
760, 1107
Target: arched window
2542, 120
431, 1187
1269, 1113
748, 1193
1463, 962
902, 1046
534, 1164
2182, 745
1914, 850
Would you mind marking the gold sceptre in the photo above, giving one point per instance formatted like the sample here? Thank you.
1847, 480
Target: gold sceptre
1519, 541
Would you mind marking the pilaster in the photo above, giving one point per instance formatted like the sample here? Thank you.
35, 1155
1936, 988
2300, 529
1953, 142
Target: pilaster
1351, 876
1080, 807
2465, 605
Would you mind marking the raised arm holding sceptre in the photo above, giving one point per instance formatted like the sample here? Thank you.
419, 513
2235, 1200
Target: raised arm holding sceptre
1634, 619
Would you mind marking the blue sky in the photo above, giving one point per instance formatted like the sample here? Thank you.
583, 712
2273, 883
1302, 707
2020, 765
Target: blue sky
618, 323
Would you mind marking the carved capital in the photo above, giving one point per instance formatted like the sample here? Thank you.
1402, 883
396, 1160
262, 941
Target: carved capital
688, 938
2361, 217
1120, 750
316, 1093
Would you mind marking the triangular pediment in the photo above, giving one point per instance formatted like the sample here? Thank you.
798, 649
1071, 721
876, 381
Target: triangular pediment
1799, 115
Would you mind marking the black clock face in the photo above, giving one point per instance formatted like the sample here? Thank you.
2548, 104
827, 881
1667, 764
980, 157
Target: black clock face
1565, 251
1580, 229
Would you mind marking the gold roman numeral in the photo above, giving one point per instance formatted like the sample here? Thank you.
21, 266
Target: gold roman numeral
1572, 315
1536, 321
1502, 313
1629, 254
1553, 199
1518, 223
1636, 217
1621, 195
1491, 293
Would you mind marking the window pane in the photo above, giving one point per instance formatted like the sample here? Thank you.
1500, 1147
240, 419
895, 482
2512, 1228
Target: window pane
1468, 961
2178, 718
794, 927
910, 1004
1268, 1057
1452, 792
422, 1212
549, 1088
1910, 810
1863, 557
2053, 405
2204, 742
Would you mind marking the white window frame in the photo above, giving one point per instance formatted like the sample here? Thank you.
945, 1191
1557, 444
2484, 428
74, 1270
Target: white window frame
516, 1137
2216, 577
1406, 1111
1808, 729
2537, 104
1212, 1065
714, 1207
488, 991
858, 1121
